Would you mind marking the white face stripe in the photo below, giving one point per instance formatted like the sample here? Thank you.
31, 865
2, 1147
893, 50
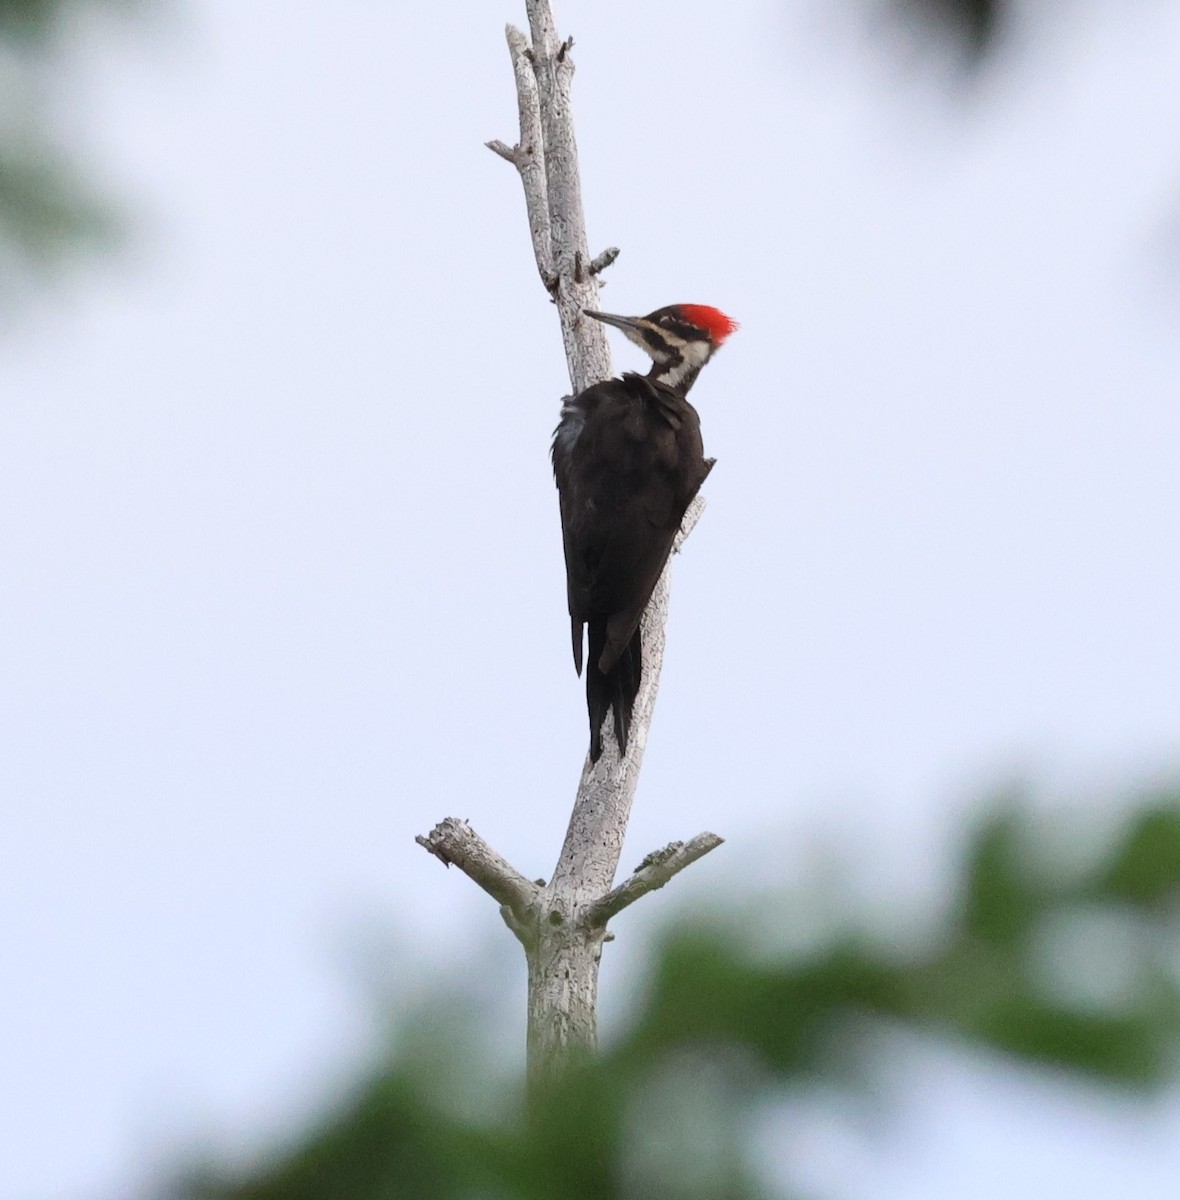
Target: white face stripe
679, 373
695, 355
697, 351
636, 336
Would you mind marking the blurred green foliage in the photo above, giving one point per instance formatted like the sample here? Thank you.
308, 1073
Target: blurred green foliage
48, 207
1048, 954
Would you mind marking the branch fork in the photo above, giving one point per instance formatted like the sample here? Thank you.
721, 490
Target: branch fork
526, 903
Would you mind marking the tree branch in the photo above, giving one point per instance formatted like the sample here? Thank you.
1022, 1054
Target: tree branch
529, 155
600, 262
453, 841
506, 152
655, 870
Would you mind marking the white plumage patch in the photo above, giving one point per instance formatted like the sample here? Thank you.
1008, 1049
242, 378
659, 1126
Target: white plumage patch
694, 356
570, 424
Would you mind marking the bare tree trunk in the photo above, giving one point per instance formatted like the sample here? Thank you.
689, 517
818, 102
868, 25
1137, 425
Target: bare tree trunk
563, 925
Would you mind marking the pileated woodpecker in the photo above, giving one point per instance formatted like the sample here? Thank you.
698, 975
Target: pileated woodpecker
628, 460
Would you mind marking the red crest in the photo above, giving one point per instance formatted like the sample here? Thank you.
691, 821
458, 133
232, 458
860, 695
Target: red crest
713, 320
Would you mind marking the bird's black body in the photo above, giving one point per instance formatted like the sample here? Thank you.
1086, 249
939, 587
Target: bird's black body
628, 460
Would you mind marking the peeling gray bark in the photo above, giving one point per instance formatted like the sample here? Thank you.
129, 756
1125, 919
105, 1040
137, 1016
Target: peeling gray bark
562, 925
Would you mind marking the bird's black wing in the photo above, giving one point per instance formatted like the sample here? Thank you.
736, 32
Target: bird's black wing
573, 476
625, 481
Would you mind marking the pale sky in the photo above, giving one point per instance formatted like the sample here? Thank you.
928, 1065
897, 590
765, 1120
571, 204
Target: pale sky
280, 565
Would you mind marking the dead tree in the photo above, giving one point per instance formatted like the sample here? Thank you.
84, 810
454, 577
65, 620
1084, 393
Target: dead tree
563, 924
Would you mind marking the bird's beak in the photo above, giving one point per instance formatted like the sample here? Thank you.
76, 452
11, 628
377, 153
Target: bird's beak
628, 325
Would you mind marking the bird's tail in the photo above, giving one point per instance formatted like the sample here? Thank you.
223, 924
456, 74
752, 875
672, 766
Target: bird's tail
615, 689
